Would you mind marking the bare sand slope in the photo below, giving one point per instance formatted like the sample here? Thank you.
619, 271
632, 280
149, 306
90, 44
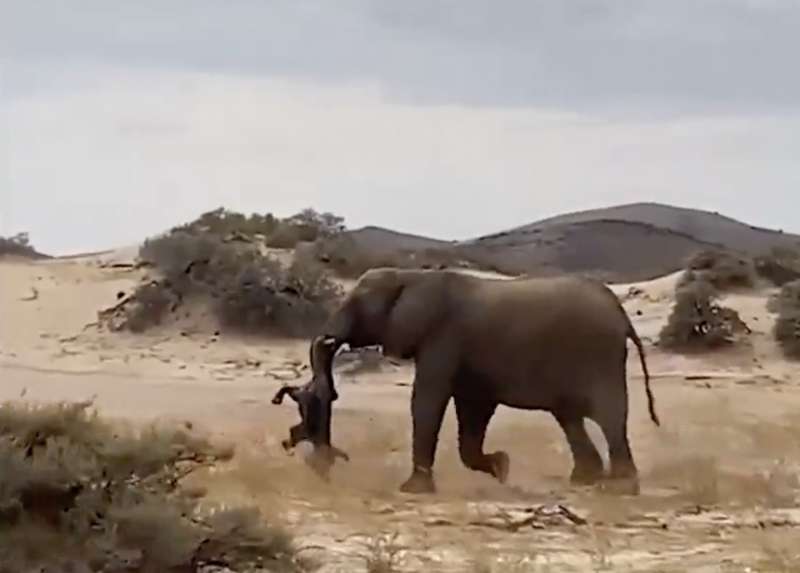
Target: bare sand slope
719, 478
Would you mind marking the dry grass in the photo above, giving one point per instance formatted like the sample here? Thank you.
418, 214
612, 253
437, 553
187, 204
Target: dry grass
509, 564
777, 554
383, 554
744, 465
79, 493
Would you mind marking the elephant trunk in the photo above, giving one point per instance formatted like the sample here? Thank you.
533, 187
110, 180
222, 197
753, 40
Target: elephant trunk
339, 327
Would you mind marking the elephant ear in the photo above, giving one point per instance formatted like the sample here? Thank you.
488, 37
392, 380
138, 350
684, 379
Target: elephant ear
414, 315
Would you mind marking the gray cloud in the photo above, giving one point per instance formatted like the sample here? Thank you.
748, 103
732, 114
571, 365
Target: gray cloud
119, 119
648, 56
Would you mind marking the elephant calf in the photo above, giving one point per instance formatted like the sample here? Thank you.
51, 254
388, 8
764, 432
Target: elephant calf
557, 344
314, 403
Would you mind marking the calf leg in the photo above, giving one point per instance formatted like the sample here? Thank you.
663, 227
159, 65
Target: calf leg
283, 390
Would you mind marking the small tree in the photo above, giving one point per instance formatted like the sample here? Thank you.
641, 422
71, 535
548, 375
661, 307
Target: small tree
19, 245
723, 270
697, 321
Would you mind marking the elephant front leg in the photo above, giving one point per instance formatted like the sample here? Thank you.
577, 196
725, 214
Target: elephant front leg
428, 405
473, 416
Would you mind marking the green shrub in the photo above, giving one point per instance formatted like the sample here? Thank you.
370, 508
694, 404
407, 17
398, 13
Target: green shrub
697, 322
252, 291
307, 225
80, 494
787, 333
222, 223
151, 304
787, 299
780, 266
786, 304
722, 269
287, 236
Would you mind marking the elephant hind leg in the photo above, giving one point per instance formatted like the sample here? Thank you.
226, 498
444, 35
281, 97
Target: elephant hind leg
473, 415
587, 463
613, 420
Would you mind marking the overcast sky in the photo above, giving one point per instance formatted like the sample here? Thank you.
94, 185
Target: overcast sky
119, 119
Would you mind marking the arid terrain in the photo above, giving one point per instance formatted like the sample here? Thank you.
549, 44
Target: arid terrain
719, 478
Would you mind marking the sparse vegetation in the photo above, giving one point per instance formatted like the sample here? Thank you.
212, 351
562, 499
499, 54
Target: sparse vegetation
697, 321
786, 304
780, 266
80, 494
721, 269
219, 258
307, 225
383, 553
19, 245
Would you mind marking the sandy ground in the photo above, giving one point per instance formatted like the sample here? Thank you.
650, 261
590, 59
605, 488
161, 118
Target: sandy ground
719, 478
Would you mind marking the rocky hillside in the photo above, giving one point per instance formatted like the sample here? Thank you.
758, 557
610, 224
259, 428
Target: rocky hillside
622, 243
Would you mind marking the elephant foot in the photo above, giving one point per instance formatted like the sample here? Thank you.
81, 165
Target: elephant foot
621, 486
320, 464
501, 465
586, 476
421, 481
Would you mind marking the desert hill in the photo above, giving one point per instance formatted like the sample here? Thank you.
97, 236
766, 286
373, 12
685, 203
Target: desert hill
704, 226
632, 242
381, 239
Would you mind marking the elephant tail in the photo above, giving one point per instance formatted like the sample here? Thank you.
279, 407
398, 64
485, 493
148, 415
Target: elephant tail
640, 347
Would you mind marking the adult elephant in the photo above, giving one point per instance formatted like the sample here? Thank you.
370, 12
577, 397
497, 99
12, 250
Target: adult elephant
557, 344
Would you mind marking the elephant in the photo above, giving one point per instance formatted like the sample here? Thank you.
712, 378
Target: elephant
556, 344
314, 404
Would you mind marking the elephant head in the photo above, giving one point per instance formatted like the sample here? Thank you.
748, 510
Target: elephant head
393, 308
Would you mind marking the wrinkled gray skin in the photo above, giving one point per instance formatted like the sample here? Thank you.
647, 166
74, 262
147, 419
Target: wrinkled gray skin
554, 344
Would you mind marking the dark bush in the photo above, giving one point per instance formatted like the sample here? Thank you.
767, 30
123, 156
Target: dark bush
263, 295
79, 494
722, 269
19, 245
288, 235
787, 299
222, 223
787, 333
786, 304
780, 266
307, 225
697, 322
149, 307
251, 291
